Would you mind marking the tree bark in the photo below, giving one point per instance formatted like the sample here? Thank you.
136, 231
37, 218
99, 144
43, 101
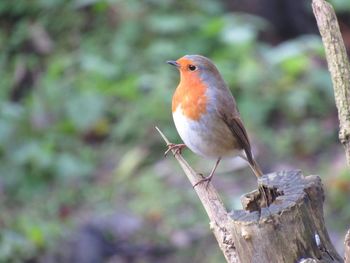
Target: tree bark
291, 229
211, 201
338, 65
347, 247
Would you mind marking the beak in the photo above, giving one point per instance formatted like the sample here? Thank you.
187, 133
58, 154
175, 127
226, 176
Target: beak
173, 63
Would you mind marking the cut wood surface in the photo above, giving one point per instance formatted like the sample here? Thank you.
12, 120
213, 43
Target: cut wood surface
290, 230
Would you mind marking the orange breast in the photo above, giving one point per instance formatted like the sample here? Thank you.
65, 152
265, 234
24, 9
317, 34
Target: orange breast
190, 94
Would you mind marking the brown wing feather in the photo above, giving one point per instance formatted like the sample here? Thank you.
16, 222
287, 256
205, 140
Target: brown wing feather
233, 121
236, 126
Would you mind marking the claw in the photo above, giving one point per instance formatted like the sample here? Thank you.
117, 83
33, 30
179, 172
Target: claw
177, 147
208, 178
204, 179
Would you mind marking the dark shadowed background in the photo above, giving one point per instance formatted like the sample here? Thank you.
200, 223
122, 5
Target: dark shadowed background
84, 82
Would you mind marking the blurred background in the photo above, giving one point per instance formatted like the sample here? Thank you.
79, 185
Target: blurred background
84, 83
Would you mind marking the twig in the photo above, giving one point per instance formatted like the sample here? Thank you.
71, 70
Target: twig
347, 247
218, 216
338, 65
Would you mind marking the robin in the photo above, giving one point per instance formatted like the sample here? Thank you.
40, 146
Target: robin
206, 115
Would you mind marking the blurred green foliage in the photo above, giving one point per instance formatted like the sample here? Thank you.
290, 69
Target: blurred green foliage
98, 85
340, 5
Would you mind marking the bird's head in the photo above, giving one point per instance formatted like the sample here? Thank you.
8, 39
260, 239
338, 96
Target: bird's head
196, 66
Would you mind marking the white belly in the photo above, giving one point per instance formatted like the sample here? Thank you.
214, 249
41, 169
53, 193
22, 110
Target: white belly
208, 137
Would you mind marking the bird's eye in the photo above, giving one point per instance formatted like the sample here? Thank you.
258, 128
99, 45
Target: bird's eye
192, 67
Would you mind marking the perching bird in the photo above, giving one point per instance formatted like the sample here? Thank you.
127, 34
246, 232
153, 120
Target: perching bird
206, 116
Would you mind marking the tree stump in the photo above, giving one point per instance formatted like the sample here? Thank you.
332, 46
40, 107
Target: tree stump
291, 229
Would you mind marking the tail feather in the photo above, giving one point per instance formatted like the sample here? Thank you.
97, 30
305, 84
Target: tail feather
253, 165
256, 169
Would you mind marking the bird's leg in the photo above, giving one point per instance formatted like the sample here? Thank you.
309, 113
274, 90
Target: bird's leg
210, 176
177, 147
265, 202
258, 173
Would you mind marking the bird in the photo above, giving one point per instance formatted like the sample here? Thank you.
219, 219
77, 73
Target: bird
206, 116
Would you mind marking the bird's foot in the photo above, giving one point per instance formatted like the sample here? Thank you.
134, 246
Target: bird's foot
204, 179
177, 147
263, 200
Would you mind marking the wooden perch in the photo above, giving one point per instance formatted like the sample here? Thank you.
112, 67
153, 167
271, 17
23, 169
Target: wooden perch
338, 65
290, 230
218, 216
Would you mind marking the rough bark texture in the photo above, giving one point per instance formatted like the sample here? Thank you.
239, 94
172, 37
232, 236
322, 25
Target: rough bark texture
347, 247
211, 201
290, 230
339, 68
338, 65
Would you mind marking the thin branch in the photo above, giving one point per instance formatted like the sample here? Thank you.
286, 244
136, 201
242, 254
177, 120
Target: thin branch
339, 68
347, 247
219, 219
338, 65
